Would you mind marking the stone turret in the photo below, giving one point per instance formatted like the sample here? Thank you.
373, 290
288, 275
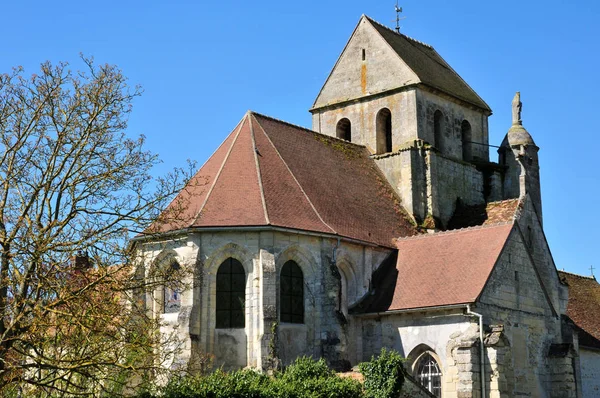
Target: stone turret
523, 166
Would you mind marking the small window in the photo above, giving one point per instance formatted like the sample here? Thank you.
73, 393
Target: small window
291, 293
438, 127
172, 292
343, 130
364, 55
467, 139
384, 131
231, 295
428, 373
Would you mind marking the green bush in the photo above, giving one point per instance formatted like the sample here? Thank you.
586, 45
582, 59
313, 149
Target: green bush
305, 378
384, 375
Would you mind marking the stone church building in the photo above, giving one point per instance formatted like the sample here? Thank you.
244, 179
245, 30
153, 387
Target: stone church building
389, 224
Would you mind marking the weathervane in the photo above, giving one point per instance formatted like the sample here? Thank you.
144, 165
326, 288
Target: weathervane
398, 11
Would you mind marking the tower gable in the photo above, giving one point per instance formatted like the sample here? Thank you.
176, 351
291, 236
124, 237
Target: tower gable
368, 65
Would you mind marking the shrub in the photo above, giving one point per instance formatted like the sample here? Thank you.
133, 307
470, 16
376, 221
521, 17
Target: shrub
305, 378
384, 375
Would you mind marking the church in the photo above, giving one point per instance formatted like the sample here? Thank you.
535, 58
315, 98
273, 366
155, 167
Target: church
389, 224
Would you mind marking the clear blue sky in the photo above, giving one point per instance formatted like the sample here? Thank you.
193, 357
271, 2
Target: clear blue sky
203, 64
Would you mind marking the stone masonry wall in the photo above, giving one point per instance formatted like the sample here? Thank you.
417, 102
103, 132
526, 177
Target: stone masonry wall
514, 298
454, 114
335, 275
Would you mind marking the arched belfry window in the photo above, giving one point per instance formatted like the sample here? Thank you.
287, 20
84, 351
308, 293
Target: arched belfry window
383, 128
291, 293
465, 129
427, 372
438, 128
343, 130
231, 295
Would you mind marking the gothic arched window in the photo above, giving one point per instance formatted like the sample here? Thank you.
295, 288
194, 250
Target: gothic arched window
231, 295
465, 129
427, 372
343, 130
291, 293
438, 127
171, 292
383, 130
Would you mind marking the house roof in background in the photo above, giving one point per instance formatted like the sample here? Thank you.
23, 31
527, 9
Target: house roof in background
584, 306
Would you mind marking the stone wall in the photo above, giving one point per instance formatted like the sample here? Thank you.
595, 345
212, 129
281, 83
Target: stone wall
514, 298
362, 115
454, 114
590, 372
336, 274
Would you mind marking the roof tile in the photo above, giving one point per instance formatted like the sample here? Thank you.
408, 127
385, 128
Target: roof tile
584, 305
439, 269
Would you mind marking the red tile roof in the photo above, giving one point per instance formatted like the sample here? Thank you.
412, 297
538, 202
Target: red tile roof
271, 173
439, 269
584, 304
484, 214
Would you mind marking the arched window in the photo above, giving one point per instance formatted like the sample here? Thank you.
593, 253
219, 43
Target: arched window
291, 293
344, 130
231, 295
384, 131
465, 129
427, 372
438, 128
172, 290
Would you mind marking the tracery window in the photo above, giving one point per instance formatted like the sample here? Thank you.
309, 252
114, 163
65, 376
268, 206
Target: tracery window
428, 373
231, 295
291, 293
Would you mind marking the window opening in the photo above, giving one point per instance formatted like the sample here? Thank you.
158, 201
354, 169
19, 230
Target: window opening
466, 135
438, 125
384, 131
172, 292
291, 293
429, 375
364, 55
343, 130
231, 295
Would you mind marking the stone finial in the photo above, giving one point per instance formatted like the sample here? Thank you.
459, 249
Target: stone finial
517, 134
516, 109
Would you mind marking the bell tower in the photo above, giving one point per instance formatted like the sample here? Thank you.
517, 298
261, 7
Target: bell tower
426, 128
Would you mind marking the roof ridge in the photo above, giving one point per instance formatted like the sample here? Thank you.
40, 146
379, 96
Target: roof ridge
295, 179
305, 129
399, 34
258, 173
454, 231
577, 275
239, 129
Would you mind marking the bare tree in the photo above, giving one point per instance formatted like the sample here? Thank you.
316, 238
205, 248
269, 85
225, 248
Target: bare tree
73, 186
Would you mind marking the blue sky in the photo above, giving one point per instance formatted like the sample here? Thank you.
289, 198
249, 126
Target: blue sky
203, 64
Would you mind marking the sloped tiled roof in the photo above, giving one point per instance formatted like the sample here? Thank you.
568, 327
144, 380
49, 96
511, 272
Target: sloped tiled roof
483, 214
440, 269
429, 65
584, 306
271, 173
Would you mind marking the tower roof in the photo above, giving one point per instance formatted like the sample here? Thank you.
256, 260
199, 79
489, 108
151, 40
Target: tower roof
271, 173
429, 65
426, 67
